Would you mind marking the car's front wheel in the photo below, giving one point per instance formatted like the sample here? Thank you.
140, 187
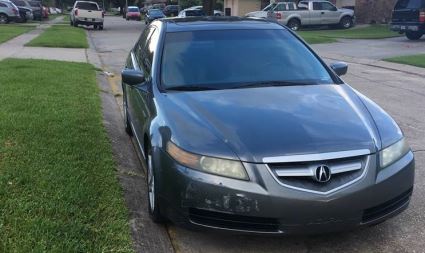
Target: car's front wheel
152, 192
346, 22
413, 35
4, 19
294, 24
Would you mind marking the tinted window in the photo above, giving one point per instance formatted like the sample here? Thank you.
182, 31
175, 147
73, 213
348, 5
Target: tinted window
327, 7
291, 7
194, 13
410, 4
87, 6
133, 9
34, 4
280, 7
226, 58
19, 3
3, 5
155, 12
141, 44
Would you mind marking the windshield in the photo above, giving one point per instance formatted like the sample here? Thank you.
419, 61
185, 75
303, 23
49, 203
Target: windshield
133, 9
234, 58
155, 12
269, 7
410, 4
19, 3
35, 4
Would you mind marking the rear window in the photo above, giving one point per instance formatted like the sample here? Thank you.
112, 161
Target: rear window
194, 13
410, 4
87, 6
228, 58
133, 9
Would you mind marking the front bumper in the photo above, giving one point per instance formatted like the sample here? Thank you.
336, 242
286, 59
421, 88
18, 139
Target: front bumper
261, 205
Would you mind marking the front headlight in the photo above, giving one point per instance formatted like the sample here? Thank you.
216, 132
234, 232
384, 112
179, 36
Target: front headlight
393, 153
212, 165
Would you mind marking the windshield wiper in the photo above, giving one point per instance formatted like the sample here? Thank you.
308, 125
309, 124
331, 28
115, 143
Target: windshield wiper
191, 88
271, 83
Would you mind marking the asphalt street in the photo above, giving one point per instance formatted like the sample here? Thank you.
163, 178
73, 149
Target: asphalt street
400, 93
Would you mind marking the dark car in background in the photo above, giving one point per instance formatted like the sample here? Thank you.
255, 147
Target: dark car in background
409, 18
33, 5
244, 128
26, 14
171, 10
153, 14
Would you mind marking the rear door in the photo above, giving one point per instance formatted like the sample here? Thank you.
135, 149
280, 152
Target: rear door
407, 11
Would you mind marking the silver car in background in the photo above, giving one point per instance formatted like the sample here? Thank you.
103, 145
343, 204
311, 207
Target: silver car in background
307, 13
8, 12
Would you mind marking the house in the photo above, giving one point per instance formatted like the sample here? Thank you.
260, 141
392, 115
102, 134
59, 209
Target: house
367, 11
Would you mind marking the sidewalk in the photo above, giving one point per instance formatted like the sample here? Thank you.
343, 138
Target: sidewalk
15, 48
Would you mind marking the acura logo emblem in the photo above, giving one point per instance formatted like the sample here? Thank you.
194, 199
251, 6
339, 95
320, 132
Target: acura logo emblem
323, 174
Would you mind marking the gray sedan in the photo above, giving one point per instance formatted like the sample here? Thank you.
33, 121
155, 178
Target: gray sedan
244, 128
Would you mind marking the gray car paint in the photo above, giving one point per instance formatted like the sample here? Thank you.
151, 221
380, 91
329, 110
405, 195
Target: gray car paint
253, 128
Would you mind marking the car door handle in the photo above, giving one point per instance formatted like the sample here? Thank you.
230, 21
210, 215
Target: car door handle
322, 12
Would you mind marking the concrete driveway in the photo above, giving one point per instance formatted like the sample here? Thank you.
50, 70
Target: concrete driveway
398, 91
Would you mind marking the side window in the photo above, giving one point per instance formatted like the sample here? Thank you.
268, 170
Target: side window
3, 5
141, 44
149, 51
291, 7
317, 6
303, 6
327, 7
280, 7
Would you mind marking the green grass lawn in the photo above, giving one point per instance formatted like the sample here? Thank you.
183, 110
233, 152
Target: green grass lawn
61, 36
414, 60
9, 31
58, 185
328, 36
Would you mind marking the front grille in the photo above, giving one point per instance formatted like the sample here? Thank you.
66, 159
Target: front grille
232, 221
386, 208
301, 175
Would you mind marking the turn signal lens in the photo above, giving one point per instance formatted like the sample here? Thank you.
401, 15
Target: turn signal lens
422, 17
212, 165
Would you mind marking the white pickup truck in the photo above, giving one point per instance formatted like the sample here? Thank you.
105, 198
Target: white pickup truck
87, 13
307, 13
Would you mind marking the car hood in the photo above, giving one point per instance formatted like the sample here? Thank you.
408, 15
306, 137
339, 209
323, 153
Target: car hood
255, 123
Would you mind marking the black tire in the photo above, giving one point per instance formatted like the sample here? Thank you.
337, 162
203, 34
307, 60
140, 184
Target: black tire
95, 27
152, 191
4, 19
294, 24
127, 19
101, 27
127, 124
413, 35
346, 22
75, 23
70, 23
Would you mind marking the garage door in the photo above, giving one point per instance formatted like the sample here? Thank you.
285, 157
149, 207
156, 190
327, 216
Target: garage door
246, 6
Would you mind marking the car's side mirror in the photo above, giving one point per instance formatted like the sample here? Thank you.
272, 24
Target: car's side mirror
132, 77
340, 68
334, 9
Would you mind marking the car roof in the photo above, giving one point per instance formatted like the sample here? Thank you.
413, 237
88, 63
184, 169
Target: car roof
217, 23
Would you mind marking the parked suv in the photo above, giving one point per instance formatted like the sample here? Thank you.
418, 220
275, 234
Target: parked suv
8, 12
409, 18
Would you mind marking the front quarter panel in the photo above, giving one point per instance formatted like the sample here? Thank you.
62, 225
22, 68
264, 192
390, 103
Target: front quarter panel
388, 129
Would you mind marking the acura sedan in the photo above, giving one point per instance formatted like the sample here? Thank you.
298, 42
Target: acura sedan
244, 128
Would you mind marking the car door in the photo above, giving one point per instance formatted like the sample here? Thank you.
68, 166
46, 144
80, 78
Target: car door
279, 11
142, 94
135, 108
316, 13
329, 14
